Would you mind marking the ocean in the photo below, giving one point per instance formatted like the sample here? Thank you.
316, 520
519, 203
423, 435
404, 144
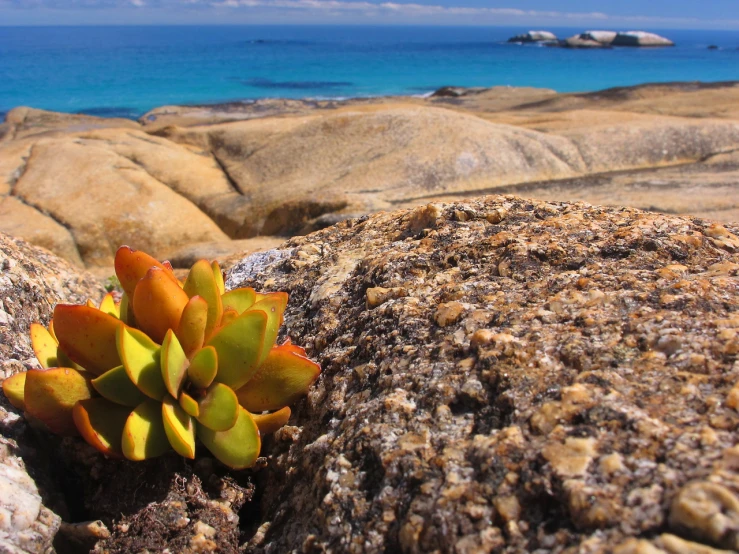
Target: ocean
125, 71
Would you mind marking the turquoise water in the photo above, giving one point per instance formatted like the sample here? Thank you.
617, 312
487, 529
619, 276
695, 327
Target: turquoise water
125, 71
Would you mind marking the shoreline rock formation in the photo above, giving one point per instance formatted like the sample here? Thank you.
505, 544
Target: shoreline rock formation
209, 175
595, 39
498, 374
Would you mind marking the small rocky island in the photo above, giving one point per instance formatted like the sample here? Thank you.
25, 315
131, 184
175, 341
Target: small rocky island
594, 39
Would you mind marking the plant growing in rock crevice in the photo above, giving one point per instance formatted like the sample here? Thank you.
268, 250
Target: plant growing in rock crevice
170, 364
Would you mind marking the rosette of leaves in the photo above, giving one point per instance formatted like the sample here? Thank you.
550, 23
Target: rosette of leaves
171, 365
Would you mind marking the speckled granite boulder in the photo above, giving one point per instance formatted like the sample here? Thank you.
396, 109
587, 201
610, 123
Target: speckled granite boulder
32, 281
511, 376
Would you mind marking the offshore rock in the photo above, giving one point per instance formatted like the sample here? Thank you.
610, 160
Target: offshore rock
534, 36
640, 38
507, 375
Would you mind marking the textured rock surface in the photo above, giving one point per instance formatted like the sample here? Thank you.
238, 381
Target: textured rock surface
285, 167
32, 281
508, 375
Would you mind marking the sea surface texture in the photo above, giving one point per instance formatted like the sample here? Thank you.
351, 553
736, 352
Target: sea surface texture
125, 71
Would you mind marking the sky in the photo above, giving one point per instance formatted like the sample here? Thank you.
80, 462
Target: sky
623, 14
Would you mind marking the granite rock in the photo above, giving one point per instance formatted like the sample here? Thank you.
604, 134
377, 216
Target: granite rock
534, 36
507, 375
32, 281
640, 38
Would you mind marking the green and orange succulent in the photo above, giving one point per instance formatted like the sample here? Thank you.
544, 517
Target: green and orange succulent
171, 363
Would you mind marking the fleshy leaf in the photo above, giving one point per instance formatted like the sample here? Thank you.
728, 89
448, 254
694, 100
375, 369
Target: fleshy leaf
64, 361
239, 299
203, 367
158, 302
238, 345
189, 404
90, 304
191, 329
281, 379
13, 388
51, 331
288, 345
269, 423
238, 447
179, 427
143, 434
126, 311
273, 305
44, 346
218, 275
140, 357
228, 316
101, 424
108, 306
201, 282
174, 364
219, 408
87, 336
132, 265
50, 395
116, 386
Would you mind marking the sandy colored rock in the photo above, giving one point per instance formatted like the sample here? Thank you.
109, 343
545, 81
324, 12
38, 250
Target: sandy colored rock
23, 122
106, 200
21, 220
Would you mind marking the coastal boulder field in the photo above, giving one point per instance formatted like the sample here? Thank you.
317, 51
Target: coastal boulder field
498, 375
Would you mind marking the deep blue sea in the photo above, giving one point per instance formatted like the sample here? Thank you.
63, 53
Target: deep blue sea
127, 70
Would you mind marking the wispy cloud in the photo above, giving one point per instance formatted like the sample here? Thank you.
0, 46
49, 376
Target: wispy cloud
385, 11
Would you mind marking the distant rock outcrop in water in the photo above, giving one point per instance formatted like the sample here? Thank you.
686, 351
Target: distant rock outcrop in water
595, 39
534, 36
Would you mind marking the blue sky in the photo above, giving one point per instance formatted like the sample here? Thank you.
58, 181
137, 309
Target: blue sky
631, 14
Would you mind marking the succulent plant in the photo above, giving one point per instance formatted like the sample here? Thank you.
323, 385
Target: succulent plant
171, 363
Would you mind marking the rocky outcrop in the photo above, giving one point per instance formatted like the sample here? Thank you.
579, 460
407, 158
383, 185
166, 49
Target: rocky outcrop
32, 282
640, 38
83, 191
508, 375
534, 36
498, 374
582, 41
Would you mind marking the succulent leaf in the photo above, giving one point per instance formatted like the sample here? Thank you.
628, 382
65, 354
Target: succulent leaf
189, 404
201, 282
228, 316
174, 363
13, 388
281, 379
132, 265
44, 346
158, 302
101, 424
50, 395
237, 447
126, 311
218, 275
51, 331
64, 361
273, 305
219, 408
203, 367
87, 336
179, 427
191, 329
238, 345
116, 386
108, 306
143, 434
269, 423
239, 299
140, 356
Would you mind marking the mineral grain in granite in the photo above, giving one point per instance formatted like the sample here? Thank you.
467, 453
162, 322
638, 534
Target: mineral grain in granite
505, 375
